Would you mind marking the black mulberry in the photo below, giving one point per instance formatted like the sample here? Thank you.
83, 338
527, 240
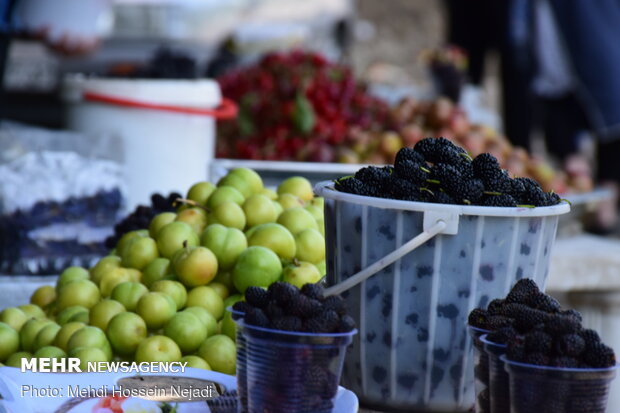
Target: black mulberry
287, 323
335, 303
439, 150
465, 169
402, 189
325, 322
304, 307
590, 337
240, 307
499, 201
571, 345
525, 318
346, 324
412, 172
495, 306
372, 176
484, 164
443, 198
312, 291
538, 342
516, 348
283, 293
522, 291
478, 318
544, 303
469, 191
354, 186
273, 310
538, 359
534, 196
408, 154
256, 317
502, 335
495, 322
498, 182
257, 296
600, 356
553, 199
558, 325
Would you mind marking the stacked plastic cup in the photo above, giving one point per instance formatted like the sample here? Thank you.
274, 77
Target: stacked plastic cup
499, 391
557, 390
289, 372
481, 370
242, 390
242, 393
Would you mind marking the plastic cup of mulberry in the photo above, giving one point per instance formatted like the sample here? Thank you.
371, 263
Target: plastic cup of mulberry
499, 389
290, 372
481, 370
557, 390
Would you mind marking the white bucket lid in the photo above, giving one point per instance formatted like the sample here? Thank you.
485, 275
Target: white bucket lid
198, 93
326, 190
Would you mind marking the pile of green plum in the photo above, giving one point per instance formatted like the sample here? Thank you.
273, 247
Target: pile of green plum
161, 293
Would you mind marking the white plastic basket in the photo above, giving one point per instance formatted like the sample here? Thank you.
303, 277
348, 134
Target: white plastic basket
410, 273
167, 127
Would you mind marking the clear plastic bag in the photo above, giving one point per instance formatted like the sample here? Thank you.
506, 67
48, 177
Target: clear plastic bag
60, 196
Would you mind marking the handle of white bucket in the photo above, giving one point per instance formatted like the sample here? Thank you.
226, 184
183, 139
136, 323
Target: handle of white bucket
227, 109
434, 224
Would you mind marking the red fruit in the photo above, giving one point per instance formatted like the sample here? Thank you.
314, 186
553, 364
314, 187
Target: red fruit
447, 133
272, 60
297, 143
321, 129
346, 155
265, 82
474, 143
411, 134
318, 60
377, 159
288, 108
322, 153
459, 123
515, 167
440, 113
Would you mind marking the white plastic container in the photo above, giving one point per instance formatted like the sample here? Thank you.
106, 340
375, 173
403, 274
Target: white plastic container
413, 352
166, 127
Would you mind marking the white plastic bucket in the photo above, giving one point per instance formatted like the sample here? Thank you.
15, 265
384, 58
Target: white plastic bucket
166, 126
413, 352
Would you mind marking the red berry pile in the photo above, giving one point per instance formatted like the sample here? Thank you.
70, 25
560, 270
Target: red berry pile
295, 106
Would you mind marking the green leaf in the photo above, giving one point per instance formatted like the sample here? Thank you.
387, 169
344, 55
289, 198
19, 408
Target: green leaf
335, 75
342, 178
246, 126
303, 114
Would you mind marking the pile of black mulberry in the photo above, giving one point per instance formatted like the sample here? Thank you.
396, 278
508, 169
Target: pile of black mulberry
301, 380
537, 330
438, 171
285, 307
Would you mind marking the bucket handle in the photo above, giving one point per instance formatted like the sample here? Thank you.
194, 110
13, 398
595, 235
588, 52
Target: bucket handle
227, 109
434, 224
